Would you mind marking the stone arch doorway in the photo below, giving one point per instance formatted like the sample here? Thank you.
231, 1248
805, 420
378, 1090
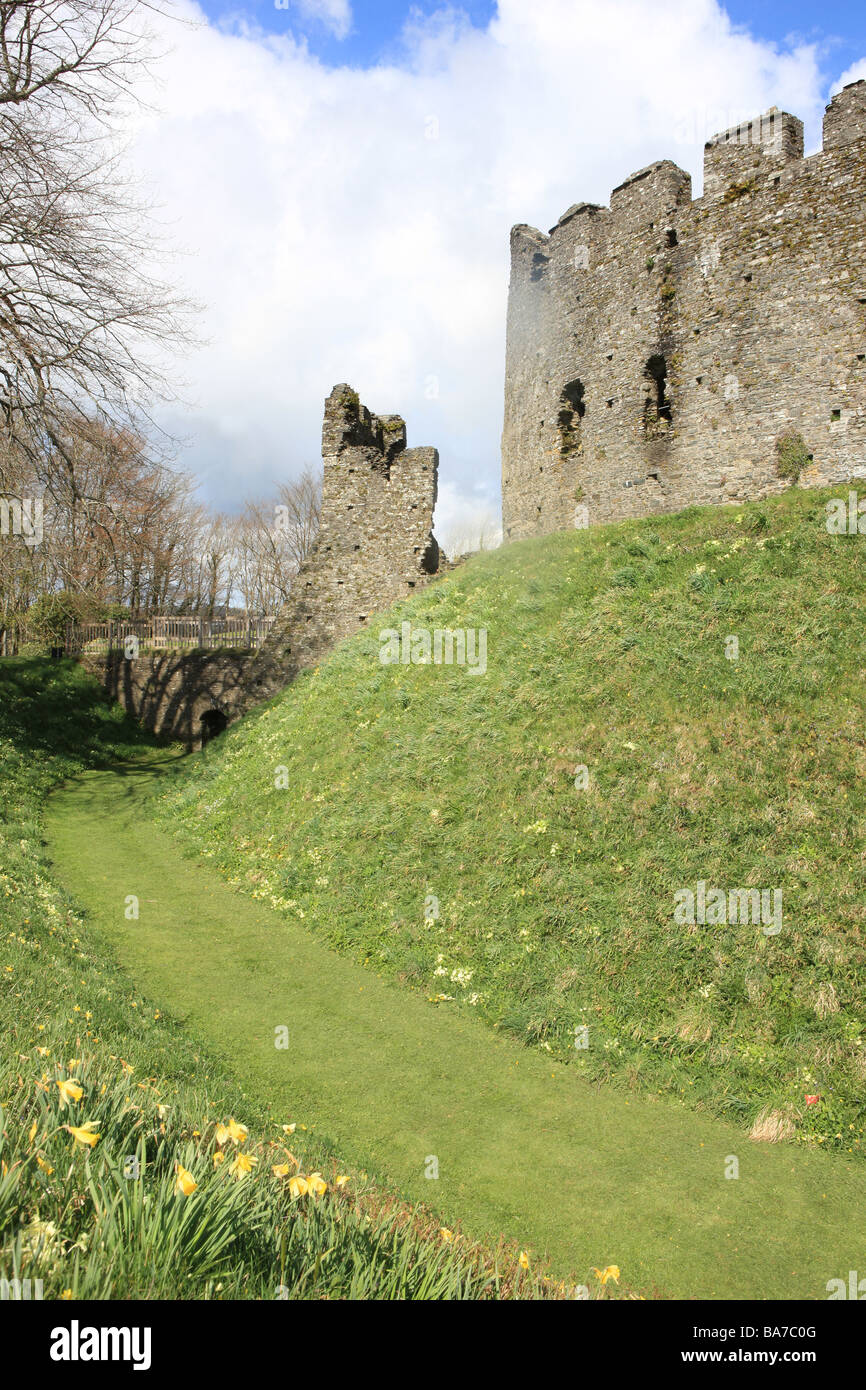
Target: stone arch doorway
212, 723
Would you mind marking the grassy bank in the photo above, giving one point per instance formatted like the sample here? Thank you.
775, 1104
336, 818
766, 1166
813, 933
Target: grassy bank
434, 825
451, 1111
118, 1177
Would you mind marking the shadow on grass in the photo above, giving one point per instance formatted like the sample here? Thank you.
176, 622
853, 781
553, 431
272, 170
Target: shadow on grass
57, 708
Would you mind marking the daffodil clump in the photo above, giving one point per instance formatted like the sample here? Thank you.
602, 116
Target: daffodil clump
109, 1191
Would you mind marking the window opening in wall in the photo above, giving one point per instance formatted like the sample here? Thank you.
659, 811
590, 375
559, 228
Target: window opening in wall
572, 408
657, 406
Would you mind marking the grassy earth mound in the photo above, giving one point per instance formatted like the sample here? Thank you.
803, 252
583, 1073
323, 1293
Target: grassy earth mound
667, 702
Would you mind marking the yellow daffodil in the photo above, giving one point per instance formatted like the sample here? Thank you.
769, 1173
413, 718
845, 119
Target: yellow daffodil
218, 1158
341, 1179
446, 1235
317, 1184
44, 1165
298, 1186
67, 1294
609, 1272
32, 1135
280, 1170
83, 1134
237, 1133
69, 1090
185, 1183
288, 1129
523, 1260
243, 1163
44, 1051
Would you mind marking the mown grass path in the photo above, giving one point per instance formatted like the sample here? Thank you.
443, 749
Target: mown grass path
524, 1147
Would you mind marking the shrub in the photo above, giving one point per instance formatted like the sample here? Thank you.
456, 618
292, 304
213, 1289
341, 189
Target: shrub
792, 455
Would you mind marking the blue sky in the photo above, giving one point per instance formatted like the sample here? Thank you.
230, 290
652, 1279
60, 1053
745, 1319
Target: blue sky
340, 183
839, 26
375, 24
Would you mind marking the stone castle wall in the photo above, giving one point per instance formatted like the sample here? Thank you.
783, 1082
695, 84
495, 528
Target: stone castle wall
375, 542
658, 348
175, 693
375, 545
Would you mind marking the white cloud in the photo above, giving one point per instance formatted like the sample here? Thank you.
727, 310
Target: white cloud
856, 73
352, 225
336, 15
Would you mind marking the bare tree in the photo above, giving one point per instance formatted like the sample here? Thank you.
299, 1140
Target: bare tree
68, 55
82, 325
274, 538
467, 537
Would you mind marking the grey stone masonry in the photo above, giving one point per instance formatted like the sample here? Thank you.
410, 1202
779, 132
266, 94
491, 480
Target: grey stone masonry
658, 348
375, 543
375, 546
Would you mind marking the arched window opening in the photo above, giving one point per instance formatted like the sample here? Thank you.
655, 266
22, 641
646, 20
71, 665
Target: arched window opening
657, 407
572, 408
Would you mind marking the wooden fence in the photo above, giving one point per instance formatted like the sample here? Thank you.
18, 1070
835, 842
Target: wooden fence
166, 634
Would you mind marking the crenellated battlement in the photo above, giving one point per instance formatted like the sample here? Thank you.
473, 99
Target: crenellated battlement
845, 117
658, 347
756, 148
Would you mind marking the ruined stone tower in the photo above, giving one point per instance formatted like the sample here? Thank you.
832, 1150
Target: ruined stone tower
375, 542
657, 349
375, 545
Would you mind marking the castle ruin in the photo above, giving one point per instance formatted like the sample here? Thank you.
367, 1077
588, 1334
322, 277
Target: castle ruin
375, 546
375, 542
658, 349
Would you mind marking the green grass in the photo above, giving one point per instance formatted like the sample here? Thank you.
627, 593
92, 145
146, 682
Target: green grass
77, 1218
607, 649
525, 1146
416, 1032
